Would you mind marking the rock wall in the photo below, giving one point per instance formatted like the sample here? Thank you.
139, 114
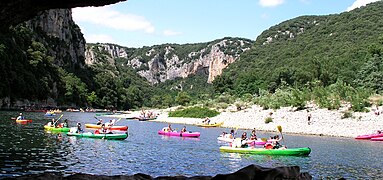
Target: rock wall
165, 62
61, 35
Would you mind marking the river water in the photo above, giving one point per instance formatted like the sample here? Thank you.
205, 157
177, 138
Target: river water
29, 149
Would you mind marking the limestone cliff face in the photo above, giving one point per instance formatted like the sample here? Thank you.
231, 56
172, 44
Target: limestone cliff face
166, 62
61, 35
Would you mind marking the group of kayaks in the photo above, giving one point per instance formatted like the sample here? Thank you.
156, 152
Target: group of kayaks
71, 132
255, 146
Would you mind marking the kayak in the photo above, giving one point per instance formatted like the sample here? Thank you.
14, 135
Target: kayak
377, 139
22, 121
369, 136
99, 136
210, 125
95, 126
145, 119
250, 142
184, 134
56, 129
261, 151
49, 114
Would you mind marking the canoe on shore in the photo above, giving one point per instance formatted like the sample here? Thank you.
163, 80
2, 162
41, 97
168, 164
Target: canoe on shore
56, 129
369, 136
95, 126
210, 125
262, 151
99, 136
184, 134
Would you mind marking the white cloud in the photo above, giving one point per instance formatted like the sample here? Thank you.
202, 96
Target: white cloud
171, 33
360, 3
99, 38
107, 17
270, 3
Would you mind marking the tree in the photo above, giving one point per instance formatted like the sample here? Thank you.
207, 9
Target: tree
183, 98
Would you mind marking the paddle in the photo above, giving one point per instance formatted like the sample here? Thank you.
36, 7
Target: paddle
280, 130
59, 118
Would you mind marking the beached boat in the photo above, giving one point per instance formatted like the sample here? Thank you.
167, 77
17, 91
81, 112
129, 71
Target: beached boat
369, 136
175, 133
56, 129
99, 136
210, 125
305, 151
95, 126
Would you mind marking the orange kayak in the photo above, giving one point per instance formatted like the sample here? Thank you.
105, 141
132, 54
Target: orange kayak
24, 121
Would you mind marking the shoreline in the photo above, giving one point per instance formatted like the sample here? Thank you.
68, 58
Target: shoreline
323, 122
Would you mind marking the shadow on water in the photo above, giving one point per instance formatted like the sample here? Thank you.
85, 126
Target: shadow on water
28, 149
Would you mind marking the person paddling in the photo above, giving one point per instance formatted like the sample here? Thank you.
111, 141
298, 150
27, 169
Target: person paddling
79, 129
99, 122
183, 129
253, 135
65, 124
244, 140
20, 117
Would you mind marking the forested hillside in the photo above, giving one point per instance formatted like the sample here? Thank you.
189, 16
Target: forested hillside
307, 49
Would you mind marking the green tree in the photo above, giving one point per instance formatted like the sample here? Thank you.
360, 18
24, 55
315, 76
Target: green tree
183, 98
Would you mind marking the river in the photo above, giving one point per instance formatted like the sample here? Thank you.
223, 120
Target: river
29, 149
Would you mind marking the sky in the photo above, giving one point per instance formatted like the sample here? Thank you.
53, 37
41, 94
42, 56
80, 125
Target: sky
138, 23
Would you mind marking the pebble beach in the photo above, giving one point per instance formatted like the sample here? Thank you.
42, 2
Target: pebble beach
323, 122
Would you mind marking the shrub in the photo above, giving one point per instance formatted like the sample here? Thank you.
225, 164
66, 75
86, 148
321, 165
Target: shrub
347, 114
194, 112
268, 120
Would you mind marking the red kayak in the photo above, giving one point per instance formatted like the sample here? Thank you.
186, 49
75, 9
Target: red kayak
369, 136
120, 128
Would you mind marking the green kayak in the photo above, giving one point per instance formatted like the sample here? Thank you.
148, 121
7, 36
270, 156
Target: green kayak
99, 136
54, 129
261, 151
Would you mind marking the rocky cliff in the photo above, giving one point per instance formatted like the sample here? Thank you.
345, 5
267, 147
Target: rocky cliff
57, 30
169, 61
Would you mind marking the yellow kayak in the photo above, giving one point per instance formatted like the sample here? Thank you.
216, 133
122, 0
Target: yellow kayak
210, 125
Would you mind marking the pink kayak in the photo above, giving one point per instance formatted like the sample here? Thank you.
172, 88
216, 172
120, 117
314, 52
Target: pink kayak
175, 133
377, 139
369, 136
